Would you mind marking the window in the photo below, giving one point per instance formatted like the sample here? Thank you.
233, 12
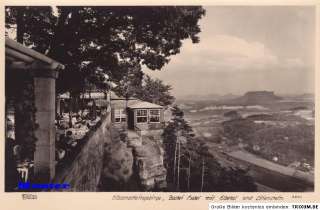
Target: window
142, 115
119, 115
154, 115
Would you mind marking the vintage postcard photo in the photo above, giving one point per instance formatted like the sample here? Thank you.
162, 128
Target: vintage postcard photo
172, 98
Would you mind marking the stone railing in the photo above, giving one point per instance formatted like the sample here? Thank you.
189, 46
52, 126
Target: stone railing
84, 170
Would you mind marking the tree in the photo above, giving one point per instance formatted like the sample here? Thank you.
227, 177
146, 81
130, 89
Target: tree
205, 170
157, 92
85, 39
151, 90
175, 129
94, 41
131, 83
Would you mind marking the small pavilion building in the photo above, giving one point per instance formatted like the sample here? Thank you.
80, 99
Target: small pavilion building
136, 115
143, 115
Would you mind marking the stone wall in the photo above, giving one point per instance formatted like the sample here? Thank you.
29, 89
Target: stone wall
83, 174
117, 174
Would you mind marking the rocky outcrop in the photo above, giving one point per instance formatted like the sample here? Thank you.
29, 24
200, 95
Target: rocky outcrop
257, 97
118, 161
117, 173
149, 164
134, 163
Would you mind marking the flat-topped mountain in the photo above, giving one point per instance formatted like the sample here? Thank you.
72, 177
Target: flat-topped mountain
257, 97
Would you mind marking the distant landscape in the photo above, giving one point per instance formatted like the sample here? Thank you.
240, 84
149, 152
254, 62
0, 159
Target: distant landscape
276, 128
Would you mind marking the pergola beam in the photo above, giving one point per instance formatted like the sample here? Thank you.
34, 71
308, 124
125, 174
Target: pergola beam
25, 53
19, 56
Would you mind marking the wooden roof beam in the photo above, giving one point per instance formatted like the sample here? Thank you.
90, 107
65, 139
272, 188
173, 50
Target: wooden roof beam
19, 56
25, 52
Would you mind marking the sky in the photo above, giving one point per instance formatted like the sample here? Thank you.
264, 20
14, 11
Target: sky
246, 48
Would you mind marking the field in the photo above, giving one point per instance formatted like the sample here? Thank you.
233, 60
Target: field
282, 132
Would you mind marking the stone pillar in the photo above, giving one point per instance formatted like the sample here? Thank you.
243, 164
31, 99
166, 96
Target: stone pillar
44, 156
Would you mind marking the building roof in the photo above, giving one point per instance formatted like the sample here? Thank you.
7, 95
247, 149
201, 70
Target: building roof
102, 102
132, 102
21, 57
253, 159
92, 95
143, 105
114, 96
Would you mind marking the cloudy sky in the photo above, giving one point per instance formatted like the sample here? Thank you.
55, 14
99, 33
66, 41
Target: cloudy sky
245, 48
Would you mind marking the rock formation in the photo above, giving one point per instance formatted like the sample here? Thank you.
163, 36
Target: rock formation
257, 97
133, 163
149, 164
118, 161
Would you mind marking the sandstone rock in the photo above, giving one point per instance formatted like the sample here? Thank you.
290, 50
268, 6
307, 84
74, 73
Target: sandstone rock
144, 154
152, 172
118, 162
149, 162
134, 140
148, 149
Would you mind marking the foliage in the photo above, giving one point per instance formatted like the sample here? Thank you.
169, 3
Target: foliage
154, 91
131, 83
176, 127
92, 40
288, 139
24, 109
151, 90
216, 177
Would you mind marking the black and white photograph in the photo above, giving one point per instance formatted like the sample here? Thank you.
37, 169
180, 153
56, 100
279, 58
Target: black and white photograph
160, 98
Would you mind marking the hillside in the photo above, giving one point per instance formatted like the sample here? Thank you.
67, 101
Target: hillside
208, 97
